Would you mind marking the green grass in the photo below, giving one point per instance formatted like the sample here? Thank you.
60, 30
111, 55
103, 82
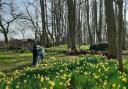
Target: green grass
59, 71
11, 60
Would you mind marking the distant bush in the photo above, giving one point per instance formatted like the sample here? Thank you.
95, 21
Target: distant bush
21, 50
55, 51
12, 48
99, 47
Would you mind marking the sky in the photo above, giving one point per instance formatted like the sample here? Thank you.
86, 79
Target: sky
21, 9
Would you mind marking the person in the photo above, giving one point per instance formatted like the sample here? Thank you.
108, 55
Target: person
40, 54
34, 51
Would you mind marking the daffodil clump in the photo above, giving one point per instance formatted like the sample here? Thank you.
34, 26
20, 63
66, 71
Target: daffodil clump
84, 72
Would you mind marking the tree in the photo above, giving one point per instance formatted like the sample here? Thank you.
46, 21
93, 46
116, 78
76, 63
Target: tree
100, 21
88, 25
124, 32
111, 27
5, 23
71, 23
22, 29
43, 36
94, 10
120, 30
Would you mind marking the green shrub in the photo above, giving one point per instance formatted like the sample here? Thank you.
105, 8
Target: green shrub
21, 50
99, 47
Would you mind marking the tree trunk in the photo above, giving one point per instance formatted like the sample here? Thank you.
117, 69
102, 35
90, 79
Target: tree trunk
100, 22
6, 41
52, 21
6, 38
111, 27
43, 37
120, 29
71, 20
124, 31
89, 30
95, 19
0, 4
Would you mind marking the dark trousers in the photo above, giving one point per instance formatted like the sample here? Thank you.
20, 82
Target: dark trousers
34, 60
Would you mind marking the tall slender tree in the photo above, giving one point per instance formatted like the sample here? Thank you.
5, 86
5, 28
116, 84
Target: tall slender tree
88, 23
111, 27
71, 24
100, 21
43, 36
120, 30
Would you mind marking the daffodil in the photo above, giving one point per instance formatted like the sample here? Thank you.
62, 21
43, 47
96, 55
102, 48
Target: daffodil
25, 81
113, 85
17, 87
124, 87
61, 83
105, 82
96, 77
52, 83
42, 79
124, 80
44, 88
8, 82
7, 87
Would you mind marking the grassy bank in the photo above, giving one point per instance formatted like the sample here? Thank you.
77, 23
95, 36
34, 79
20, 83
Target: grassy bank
59, 71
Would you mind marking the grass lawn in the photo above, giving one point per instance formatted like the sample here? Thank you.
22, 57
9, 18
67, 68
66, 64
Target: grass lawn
11, 60
59, 71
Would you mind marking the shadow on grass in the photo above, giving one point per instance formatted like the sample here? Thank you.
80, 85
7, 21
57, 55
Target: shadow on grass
6, 58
